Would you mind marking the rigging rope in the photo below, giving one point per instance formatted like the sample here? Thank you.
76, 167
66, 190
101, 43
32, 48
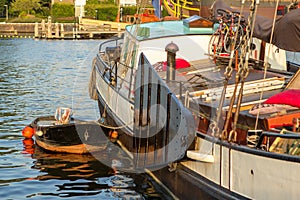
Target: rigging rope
232, 100
266, 62
243, 65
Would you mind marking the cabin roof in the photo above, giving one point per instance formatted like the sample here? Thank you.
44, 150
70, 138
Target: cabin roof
153, 30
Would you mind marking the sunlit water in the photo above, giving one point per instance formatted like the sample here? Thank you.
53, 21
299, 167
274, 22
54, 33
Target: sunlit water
36, 77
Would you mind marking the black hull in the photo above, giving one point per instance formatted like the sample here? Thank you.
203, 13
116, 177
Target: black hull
182, 183
186, 184
75, 137
124, 134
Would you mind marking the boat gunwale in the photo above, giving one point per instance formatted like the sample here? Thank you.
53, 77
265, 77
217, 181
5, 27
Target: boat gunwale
75, 149
73, 122
210, 186
246, 149
116, 119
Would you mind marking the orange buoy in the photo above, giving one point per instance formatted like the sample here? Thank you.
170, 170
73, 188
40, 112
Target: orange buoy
28, 132
113, 134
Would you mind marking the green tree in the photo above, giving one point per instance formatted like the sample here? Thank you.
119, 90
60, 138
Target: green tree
20, 6
2, 7
45, 3
45, 8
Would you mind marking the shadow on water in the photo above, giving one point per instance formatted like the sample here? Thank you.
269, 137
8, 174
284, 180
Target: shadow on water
84, 175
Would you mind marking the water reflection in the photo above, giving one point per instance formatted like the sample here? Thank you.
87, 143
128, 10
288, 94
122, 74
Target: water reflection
37, 76
86, 177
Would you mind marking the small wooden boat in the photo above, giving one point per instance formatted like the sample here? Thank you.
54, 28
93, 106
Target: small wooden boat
76, 136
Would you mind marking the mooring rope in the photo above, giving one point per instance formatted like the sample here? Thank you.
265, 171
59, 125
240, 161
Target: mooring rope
108, 126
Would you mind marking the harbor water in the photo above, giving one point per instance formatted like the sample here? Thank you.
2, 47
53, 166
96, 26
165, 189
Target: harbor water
36, 77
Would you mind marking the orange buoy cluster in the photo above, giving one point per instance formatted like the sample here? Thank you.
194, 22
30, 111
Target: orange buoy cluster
28, 132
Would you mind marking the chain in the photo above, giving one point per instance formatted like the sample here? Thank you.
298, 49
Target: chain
243, 65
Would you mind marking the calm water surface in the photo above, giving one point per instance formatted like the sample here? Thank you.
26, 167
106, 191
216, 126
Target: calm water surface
36, 77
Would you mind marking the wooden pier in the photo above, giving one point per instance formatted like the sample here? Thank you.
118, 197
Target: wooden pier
86, 29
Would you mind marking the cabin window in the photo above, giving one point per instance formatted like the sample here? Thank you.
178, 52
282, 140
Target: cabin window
124, 49
133, 55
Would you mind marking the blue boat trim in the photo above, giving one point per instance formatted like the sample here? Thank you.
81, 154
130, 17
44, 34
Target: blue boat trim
162, 29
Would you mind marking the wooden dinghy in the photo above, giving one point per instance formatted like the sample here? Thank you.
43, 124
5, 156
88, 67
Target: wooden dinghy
76, 136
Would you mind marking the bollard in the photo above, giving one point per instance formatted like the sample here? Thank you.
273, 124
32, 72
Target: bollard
43, 28
56, 30
171, 50
49, 32
62, 31
36, 30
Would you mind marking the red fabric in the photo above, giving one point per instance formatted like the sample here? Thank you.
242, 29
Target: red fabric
288, 97
180, 63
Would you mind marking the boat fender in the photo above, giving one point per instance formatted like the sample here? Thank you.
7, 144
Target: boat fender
172, 166
39, 133
203, 157
113, 134
28, 132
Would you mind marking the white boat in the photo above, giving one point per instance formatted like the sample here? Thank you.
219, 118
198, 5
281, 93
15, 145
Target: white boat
158, 87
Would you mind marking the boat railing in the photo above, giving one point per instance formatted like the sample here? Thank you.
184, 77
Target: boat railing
185, 94
285, 142
108, 43
112, 71
181, 89
176, 7
178, 88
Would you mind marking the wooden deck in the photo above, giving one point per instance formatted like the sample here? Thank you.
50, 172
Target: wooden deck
204, 81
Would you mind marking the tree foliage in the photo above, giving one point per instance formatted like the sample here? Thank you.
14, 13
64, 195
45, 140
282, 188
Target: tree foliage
2, 8
97, 2
62, 10
45, 3
20, 6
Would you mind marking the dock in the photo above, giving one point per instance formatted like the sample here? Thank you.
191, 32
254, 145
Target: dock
84, 29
